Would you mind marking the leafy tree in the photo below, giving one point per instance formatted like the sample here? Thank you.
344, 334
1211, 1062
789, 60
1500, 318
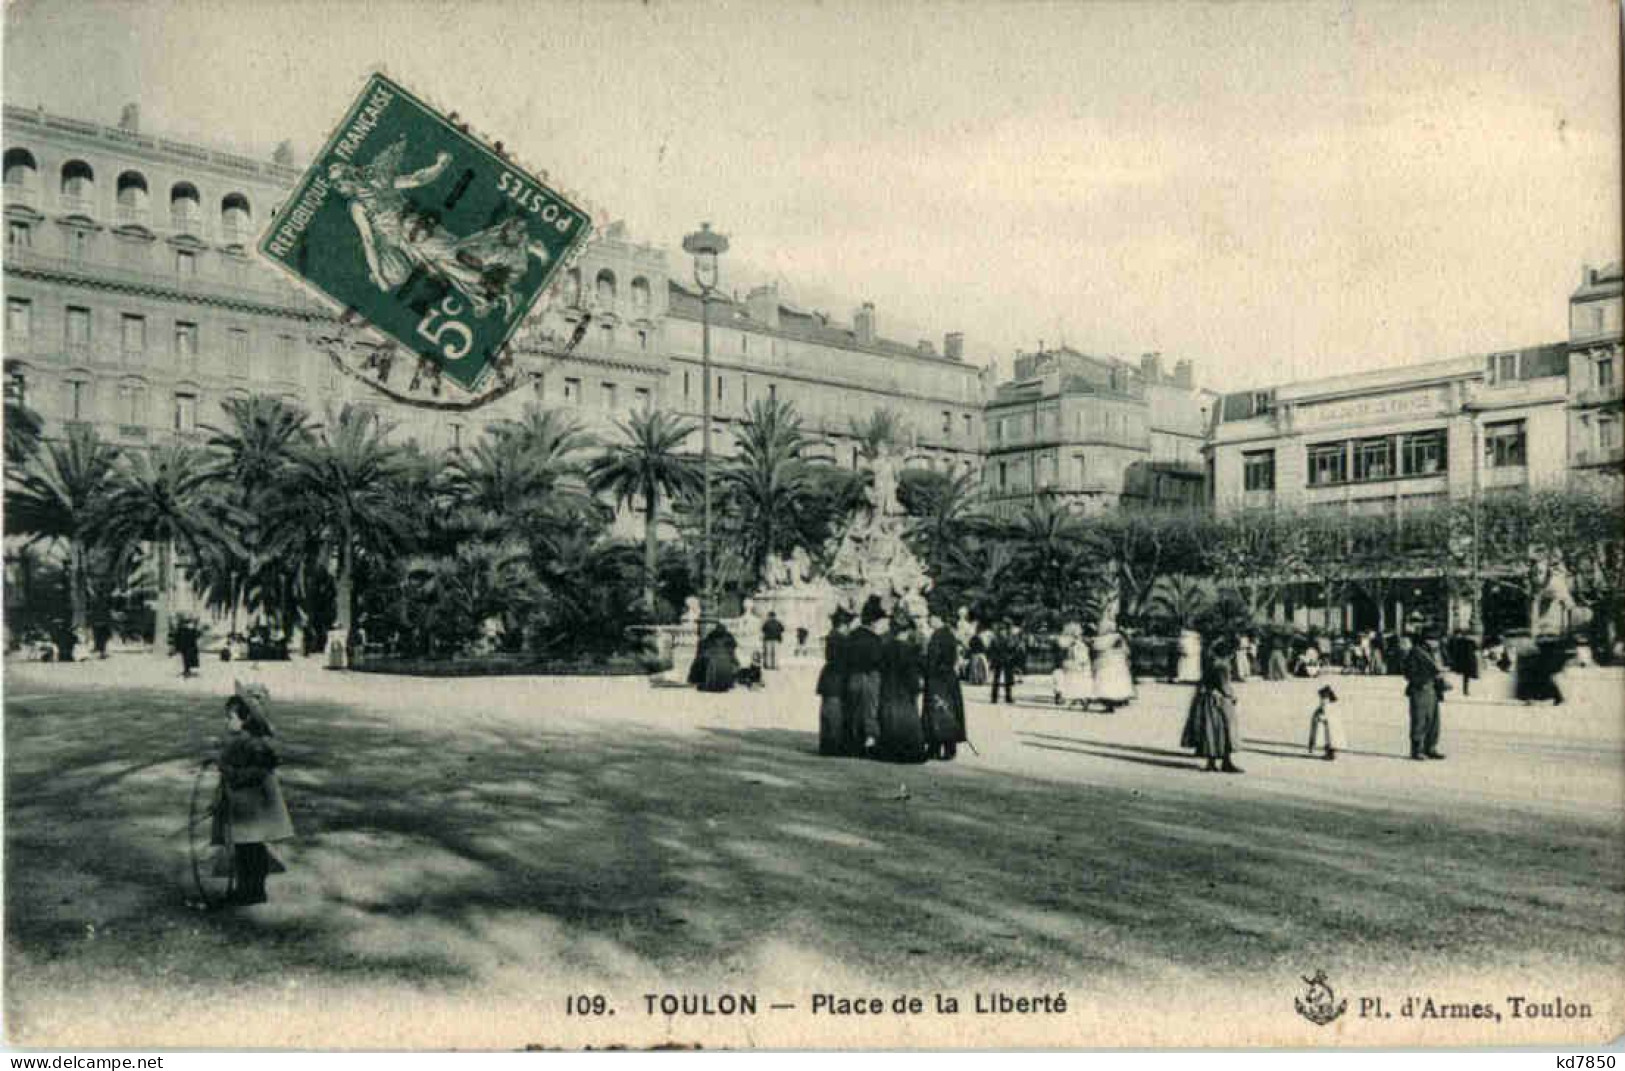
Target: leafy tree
1253, 554
1146, 547
645, 467
58, 493
1177, 602
23, 429
1057, 575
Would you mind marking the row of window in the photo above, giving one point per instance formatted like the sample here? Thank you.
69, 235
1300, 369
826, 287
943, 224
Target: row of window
1014, 427
605, 294
1045, 472
136, 343
133, 403
77, 190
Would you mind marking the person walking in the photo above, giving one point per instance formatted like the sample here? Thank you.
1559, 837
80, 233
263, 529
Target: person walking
1424, 682
249, 795
943, 709
1001, 657
1324, 724
1188, 665
1075, 678
861, 703
1277, 661
1209, 728
1464, 659
772, 634
186, 645
976, 668
833, 738
1113, 679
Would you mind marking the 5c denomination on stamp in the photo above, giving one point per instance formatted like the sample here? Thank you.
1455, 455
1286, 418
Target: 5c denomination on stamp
431, 236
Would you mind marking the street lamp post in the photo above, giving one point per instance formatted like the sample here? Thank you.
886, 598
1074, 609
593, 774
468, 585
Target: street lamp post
705, 245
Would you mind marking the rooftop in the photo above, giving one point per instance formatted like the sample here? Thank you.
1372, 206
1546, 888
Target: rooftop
794, 323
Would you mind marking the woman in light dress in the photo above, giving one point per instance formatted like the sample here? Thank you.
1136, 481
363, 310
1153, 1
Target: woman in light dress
1074, 678
1189, 668
1114, 683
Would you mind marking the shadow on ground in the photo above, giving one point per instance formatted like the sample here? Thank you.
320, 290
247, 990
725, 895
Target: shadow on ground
444, 856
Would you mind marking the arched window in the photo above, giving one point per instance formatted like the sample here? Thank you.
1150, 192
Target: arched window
640, 296
132, 197
22, 172
572, 288
78, 186
606, 290
185, 208
236, 219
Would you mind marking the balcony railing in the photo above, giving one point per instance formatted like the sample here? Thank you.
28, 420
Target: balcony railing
235, 234
20, 196
187, 223
76, 206
1601, 455
132, 431
136, 215
1598, 395
273, 291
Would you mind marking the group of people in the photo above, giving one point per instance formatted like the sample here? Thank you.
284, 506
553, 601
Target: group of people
1212, 727
1084, 673
887, 693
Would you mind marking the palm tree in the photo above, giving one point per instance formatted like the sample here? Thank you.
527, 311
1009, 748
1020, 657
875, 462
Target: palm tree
554, 437
163, 496
948, 514
23, 429
643, 467
254, 455
878, 432
1048, 540
768, 480
58, 493
340, 487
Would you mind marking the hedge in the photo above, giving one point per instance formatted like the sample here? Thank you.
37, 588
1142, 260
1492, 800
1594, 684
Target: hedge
512, 666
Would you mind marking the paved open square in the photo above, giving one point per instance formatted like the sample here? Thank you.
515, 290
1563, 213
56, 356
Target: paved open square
461, 841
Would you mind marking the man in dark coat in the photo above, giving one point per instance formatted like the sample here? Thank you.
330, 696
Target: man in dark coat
861, 703
1464, 659
944, 706
772, 633
1423, 682
186, 642
1001, 658
833, 737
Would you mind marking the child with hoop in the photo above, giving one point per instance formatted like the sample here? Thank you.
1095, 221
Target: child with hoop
250, 812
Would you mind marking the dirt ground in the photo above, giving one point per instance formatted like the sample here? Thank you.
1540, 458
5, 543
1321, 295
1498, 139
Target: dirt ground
471, 851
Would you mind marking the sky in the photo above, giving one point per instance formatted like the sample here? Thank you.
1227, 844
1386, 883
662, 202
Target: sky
1275, 191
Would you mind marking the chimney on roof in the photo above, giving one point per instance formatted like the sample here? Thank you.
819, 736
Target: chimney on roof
953, 345
130, 118
927, 347
1587, 275
1151, 368
763, 305
1184, 374
863, 323
283, 153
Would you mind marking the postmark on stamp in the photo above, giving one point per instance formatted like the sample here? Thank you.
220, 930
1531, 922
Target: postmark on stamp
430, 236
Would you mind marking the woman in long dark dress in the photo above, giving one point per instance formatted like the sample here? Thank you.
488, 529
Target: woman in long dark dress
943, 711
833, 737
902, 737
1209, 725
721, 664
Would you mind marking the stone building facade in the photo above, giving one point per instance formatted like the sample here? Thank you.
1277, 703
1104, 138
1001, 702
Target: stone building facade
1096, 433
1595, 357
136, 304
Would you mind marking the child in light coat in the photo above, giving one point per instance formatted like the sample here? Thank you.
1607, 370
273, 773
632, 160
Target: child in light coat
1324, 721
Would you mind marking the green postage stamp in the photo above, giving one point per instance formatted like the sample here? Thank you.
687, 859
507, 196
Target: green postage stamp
425, 232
